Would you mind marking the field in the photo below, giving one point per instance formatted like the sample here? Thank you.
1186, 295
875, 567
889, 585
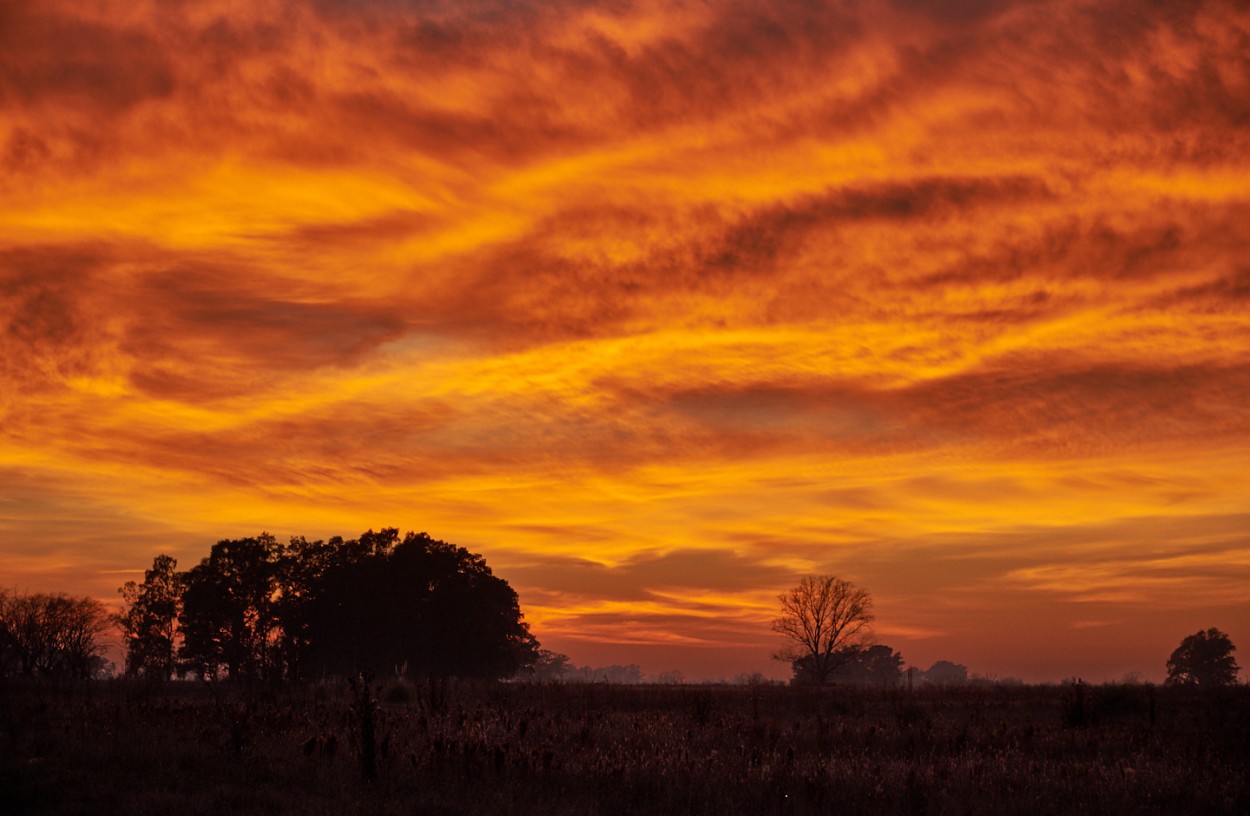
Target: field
397, 748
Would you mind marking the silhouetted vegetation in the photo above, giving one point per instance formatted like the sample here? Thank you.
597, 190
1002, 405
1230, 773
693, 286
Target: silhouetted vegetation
825, 623
258, 610
876, 665
1204, 659
149, 622
946, 673
46, 636
390, 746
378, 629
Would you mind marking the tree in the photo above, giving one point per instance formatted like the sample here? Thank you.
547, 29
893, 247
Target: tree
80, 623
1203, 659
825, 619
946, 673
149, 621
421, 603
8, 644
51, 635
255, 609
228, 618
877, 665
549, 666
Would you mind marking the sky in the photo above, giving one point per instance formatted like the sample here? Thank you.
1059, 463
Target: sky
658, 305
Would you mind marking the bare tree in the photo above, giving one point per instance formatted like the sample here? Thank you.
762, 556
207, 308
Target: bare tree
81, 623
51, 635
825, 621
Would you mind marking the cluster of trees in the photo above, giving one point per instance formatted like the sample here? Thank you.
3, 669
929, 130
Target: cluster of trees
553, 667
825, 624
859, 665
258, 609
51, 636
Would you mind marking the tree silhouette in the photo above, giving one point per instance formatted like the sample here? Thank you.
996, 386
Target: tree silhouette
1203, 659
947, 673
422, 603
825, 620
550, 666
8, 646
46, 635
149, 621
257, 609
877, 665
228, 619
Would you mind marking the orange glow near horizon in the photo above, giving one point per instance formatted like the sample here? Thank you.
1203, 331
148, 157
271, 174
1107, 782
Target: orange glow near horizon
657, 305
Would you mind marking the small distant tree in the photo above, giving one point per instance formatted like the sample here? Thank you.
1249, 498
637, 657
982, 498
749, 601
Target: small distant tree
752, 679
149, 620
672, 677
946, 673
825, 622
550, 667
615, 674
1203, 659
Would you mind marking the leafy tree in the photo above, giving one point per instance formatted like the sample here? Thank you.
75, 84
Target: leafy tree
229, 611
344, 617
420, 603
1203, 659
149, 621
257, 609
946, 673
825, 621
469, 622
300, 573
550, 666
877, 665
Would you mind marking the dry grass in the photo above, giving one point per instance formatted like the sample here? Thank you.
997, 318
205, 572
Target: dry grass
525, 749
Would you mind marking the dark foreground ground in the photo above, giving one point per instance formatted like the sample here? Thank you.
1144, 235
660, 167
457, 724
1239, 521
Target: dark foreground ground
531, 749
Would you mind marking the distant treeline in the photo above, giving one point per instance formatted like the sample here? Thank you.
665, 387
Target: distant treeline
259, 609
880, 666
877, 666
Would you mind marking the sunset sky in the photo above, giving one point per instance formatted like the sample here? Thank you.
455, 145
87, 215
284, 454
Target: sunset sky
659, 306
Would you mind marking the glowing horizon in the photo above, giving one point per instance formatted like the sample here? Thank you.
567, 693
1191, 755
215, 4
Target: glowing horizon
658, 306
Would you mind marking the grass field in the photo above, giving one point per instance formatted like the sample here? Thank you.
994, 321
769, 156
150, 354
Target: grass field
113, 747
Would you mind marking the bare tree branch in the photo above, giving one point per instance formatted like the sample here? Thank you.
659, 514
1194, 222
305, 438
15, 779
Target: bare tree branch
825, 621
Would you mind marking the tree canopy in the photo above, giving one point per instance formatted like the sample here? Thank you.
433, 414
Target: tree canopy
1203, 659
258, 609
149, 622
877, 665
